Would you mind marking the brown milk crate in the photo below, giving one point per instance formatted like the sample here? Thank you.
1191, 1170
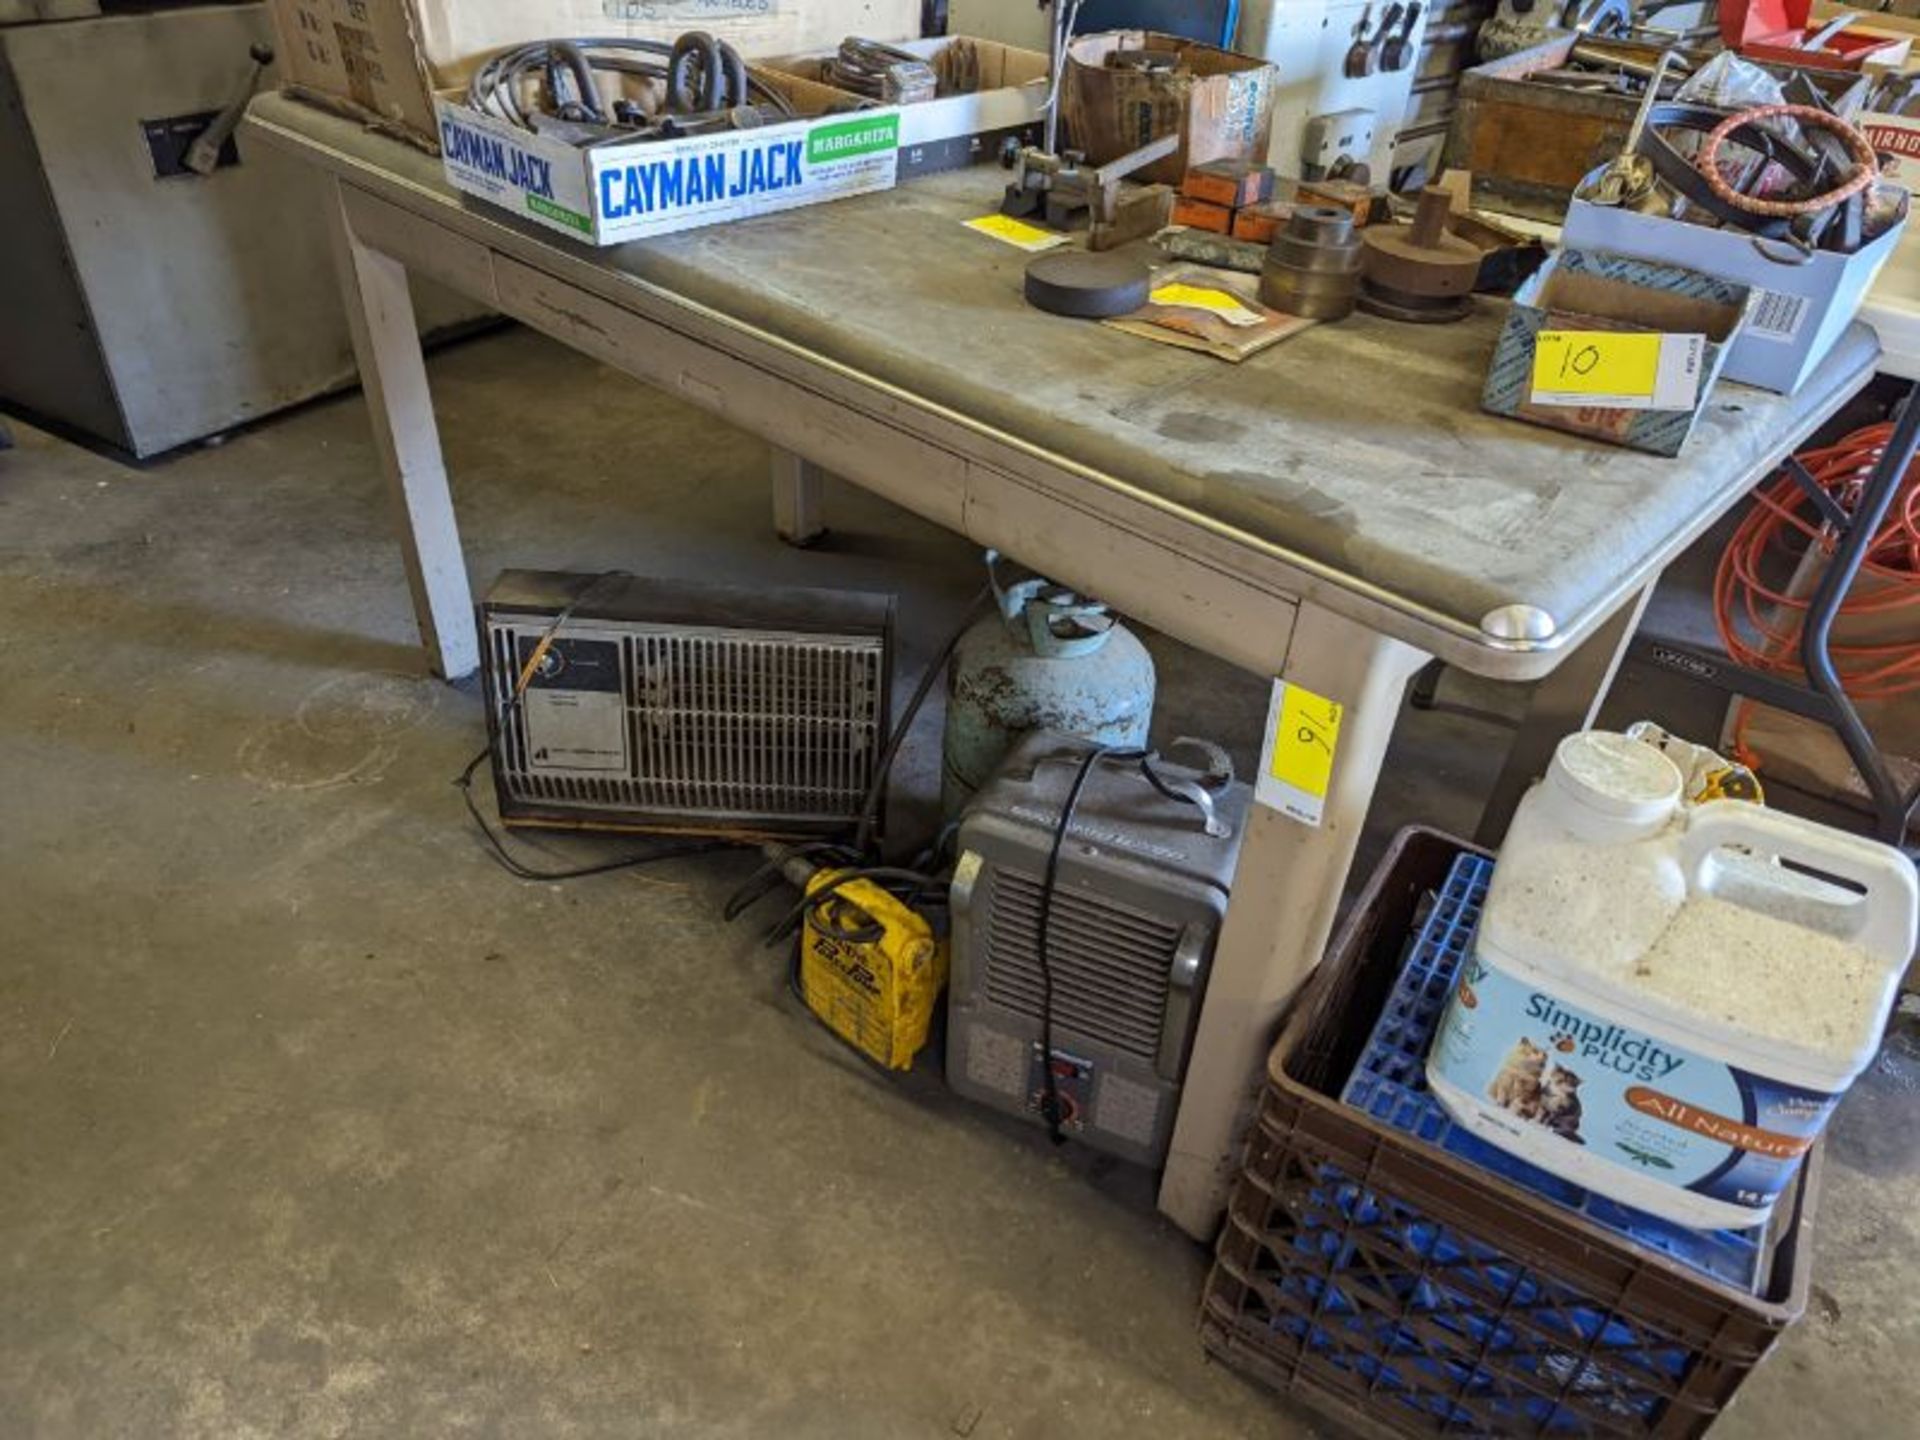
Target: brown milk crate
1407, 1292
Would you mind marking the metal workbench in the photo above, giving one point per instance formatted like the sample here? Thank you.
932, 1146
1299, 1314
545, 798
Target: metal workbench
1335, 511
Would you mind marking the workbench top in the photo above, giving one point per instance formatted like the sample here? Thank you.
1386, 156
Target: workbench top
1359, 447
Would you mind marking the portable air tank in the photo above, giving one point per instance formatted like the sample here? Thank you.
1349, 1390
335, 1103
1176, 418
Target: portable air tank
1047, 659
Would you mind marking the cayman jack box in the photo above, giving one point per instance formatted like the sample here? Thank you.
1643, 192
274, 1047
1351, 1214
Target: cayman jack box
612, 192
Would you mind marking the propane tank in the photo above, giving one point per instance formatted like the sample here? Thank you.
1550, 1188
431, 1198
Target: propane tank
1049, 659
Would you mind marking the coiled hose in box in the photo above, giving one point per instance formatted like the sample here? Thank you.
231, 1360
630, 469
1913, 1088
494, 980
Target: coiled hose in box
704, 78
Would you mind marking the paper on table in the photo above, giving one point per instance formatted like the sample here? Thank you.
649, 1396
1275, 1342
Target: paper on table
1229, 308
1016, 233
1617, 369
1204, 326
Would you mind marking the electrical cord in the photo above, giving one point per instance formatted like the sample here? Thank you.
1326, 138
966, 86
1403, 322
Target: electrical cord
1760, 621
1043, 925
877, 788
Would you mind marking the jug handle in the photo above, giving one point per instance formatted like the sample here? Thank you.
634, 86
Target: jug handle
1886, 913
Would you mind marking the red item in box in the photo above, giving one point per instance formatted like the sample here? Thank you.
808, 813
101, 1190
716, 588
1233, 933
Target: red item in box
1777, 31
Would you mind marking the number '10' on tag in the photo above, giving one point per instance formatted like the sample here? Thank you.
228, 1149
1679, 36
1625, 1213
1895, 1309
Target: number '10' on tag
1617, 369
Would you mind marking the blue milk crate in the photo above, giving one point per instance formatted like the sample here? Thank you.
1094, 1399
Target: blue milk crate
1390, 1083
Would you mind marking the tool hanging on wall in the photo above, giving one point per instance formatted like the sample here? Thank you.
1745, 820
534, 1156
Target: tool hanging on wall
1363, 56
1419, 273
694, 85
1397, 52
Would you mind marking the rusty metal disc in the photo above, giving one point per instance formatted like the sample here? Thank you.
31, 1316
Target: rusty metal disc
1410, 308
1087, 286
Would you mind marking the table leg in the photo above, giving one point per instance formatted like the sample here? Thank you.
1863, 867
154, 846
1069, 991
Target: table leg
393, 376
798, 517
1567, 700
1285, 892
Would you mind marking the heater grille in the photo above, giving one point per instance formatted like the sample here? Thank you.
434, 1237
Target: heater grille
740, 724
1110, 964
637, 720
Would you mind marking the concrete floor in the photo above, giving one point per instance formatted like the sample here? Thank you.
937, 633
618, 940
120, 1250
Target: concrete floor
315, 1123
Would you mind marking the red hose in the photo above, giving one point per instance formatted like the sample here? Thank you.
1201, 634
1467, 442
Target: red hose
1866, 165
1760, 624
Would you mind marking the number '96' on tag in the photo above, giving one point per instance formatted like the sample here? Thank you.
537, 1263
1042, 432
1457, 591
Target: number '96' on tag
1617, 369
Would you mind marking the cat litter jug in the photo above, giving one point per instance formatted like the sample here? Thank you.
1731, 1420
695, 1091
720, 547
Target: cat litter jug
1665, 1001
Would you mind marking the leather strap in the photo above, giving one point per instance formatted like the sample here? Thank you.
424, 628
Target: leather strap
1680, 175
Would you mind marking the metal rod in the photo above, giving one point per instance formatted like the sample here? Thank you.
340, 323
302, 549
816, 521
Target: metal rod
1891, 808
1818, 495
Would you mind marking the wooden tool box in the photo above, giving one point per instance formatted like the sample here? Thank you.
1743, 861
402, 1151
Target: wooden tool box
1528, 144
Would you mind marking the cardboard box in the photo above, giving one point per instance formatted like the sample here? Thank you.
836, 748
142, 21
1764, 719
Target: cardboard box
1232, 183
609, 193
965, 127
1582, 290
1777, 31
1219, 103
1340, 194
1891, 24
1800, 309
1202, 214
1259, 223
383, 61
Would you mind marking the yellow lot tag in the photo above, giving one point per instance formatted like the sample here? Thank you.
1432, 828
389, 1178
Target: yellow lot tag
1016, 233
1229, 308
1617, 369
1303, 734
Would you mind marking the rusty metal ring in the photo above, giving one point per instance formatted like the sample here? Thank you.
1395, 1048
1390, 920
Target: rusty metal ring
1866, 168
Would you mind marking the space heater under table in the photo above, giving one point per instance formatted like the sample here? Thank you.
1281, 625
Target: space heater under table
669, 705
1137, 904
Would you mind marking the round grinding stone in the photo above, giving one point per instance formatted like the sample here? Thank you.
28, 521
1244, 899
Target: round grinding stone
1086, 285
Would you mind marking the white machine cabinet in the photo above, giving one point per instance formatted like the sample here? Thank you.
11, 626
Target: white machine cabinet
141, 303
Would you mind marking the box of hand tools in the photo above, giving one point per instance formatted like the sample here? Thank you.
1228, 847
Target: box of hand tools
591, 183
961, 101
1614, 348
382, 61
1803, 301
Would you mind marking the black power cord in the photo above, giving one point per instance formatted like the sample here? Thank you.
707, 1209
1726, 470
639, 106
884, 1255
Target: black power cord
877, 788
1049, 1081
